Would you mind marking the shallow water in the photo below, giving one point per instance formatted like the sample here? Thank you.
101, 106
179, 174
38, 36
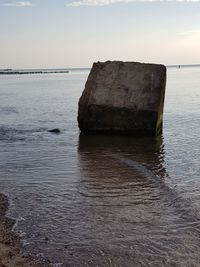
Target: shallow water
101, 200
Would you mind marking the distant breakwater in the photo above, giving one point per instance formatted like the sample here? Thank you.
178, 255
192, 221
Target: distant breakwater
16, 72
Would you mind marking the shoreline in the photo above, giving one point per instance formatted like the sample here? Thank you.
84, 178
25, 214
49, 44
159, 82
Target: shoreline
13, 72
10, 243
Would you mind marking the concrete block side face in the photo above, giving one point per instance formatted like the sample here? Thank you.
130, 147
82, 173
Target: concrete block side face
123, 97
104, 119
159, 124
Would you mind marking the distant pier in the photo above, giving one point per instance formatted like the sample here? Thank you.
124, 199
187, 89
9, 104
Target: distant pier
21, 72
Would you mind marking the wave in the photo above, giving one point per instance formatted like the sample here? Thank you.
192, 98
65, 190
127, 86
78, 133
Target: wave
13, 134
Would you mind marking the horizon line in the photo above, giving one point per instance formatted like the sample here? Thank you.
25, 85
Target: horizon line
168, 65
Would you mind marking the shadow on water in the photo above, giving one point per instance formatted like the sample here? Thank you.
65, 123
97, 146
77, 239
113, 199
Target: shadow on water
131, 216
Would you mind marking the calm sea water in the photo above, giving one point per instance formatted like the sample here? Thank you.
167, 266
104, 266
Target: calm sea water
100, 200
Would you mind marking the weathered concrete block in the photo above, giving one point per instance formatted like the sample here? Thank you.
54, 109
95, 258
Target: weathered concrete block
123, 97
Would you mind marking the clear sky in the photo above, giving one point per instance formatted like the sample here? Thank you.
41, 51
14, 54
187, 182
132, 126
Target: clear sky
75, 33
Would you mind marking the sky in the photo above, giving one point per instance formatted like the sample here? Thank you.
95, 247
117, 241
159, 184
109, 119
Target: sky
76, 33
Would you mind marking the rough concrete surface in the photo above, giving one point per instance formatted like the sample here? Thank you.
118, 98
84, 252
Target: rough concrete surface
123, 97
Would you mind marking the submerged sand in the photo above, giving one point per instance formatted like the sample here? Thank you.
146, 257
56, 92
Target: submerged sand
10, 244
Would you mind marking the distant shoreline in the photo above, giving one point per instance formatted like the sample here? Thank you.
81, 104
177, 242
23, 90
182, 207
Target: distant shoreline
67, 70
19, 72
183, 66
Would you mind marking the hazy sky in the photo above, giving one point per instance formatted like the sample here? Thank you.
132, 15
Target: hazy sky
75, 33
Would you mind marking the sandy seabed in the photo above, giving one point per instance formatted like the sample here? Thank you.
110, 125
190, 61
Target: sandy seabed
10, 244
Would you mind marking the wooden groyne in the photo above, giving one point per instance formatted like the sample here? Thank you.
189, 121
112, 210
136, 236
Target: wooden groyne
19, 72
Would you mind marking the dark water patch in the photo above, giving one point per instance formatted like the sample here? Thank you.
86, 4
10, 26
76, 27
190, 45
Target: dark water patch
8, 110
16, 134
54, 131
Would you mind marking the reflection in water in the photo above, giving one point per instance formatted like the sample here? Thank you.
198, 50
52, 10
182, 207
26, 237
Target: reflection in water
147, 151
130, 217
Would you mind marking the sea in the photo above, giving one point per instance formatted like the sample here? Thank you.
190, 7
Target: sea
100, 200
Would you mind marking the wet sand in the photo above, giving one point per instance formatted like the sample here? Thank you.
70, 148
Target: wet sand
10, 244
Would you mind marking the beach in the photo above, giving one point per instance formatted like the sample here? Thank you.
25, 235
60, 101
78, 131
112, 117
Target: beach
10, 244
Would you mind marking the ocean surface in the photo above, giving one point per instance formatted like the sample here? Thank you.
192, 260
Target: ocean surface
100, 200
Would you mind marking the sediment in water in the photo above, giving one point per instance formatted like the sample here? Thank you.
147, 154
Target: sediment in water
10, 244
